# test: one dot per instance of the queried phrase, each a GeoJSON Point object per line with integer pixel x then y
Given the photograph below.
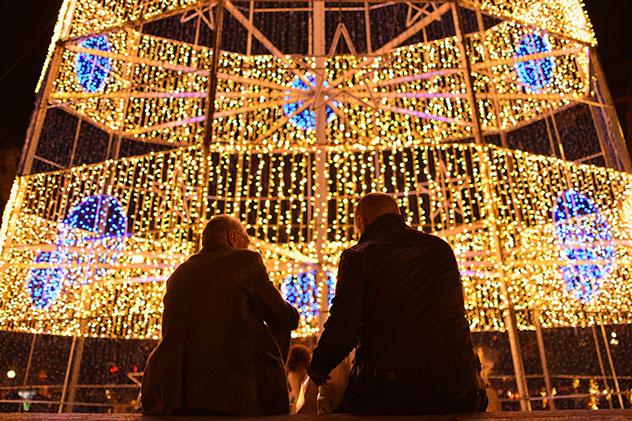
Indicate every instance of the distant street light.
{"type": "Point", "coordinates": [11, 374]}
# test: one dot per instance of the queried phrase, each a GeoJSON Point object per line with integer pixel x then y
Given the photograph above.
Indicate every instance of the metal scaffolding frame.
{"type": "Point", "coordinates": [421, 14]}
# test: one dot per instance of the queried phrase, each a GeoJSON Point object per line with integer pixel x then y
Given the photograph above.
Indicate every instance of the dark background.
{"type": "Point", "coordinates": [28, 27]}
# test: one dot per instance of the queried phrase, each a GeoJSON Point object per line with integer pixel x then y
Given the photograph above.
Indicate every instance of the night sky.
{"type": "Point", "coordinates": [28, 26]}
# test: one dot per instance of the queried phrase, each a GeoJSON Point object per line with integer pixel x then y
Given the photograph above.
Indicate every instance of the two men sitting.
{"type": "Point", "coordinates": [398, 303]}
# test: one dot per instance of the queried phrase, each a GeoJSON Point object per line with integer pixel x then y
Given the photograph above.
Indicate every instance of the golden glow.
{"type": "Point", "coordinates": [439, 187]}
{"type": "Point", "coordinates": [403, 124]}
{"type": "Point", "coordinates": [156, 91]}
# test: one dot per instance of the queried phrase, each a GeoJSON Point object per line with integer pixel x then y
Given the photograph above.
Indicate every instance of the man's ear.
{"type": "Point", "coordinates": [230, 238]}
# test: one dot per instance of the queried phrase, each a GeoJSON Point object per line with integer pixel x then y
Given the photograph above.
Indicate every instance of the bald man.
{"type": "Point", "coordinates": [399, 302]}
{"type": "Point", "coordinates": [219, 352]}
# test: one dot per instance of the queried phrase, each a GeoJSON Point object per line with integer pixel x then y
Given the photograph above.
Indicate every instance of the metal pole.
{"type": "Point", "coordinates": [492, 85]}
{"type": "Point", "coordinates": [37, 119]}
{"type": "Point", "coordinates": [543, 361]}
{"type": "Point", "coordinates": [129, 88]}
{"type": "Point", "coordinates": [594, 113]}
{"type": "Point", "coordinates": [558, 138]}
{"type": "Point", "coordinates": [508, 313]}
{"type": "Point", "coordinates": [210, 110]}
{"type": "Point", "coordinates": [37, 122]}
{"type": "Point", "coordinates": [367, 28]}
{"type": "Point", "coordinates": [615, 379]}
{"type": "Point", "coordinates": [67, 376]}
{"type": "Point", "coordinates": [251, 16]}
{"type": "Point", "coordinates": [550, 136]}
{"type": "Point", "coordinates": [76, 369]}
{"type": "Point", "coordinates": [30, 360]}
{"type": "Point", "coordinates": [617, 138]}
{"type": "Point", "coordinates": [320, 167]}
{"type": "Point", "coordinates": [74, 144]}
{"type": "Point", "coordinates": [600, 360]}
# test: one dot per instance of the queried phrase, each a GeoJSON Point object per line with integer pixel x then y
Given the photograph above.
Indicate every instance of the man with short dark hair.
{"type": "Point", "coordinates": [399, 300]}
{"type": "Point", "coordinates": [218, 353]}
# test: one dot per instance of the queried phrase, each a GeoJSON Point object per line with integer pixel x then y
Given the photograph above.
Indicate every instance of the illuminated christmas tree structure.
{"type": "Point", "coordinates": [488, 120]}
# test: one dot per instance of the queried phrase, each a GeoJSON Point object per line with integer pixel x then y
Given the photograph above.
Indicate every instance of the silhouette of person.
{"type": "Point", "coordinates": [399, 300]}
{"type": "Point", "coordinates": [219, 352]}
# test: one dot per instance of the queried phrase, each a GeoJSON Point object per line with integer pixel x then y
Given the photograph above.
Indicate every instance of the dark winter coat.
{"type": "Point", "coordinates": [399, 300]}
{"type": "Point", "coordinates": [218, 350]}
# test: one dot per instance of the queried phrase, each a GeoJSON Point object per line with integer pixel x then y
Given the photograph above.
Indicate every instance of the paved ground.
{"type": "Point", "coordinates": [500, 416]}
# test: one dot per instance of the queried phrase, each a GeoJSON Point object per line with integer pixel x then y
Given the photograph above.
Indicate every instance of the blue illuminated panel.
{"type": "Point", "coordinates": [93, 70]}
{"type": "Point", "coordinates": [97, 222]}
{"type": "Point", "coordinates": [586, 244]}
{"type": "Point", "coordinates": [302, 292]}
{"type": "Point", "coordinates": [535, 74]}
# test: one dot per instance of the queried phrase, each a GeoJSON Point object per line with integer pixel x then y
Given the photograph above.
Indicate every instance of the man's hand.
{"type": "Point", "coordinates": [317, 378]}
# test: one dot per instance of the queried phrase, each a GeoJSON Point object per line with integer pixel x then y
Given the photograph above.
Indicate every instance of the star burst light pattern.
{"type": "Point", "coordinates": [92, 70]}
{"type": "Point", "coordinates": [536, 73]}
{"type": "Point", "coordinates": [88, 240]}
{"type": "Point", "coordinates": [306, 119]}
{"type": "Point", "coordinates": [586, 243]}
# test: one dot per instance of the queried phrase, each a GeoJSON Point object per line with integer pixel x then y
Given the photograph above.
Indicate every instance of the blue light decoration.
{"type": "Point", "coordinates": [92, 234]}
{"type": "Point", "coordinates": [302, 292]}
{"type": "Point", "coordinates": [586, 244]}
{"type": "Point", "coordinates": [98, 223]}
{"type": "Point", "coordinates": [306, 119]}
{"type": "Point", "coordinates": [535, 74]}
{"type": "Point", "coordinates": [44, 284]}
{"type": "Point", "coordinates": [93, 70]}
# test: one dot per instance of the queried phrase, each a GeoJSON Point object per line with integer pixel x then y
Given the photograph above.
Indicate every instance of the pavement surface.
{"type": "Point", "coordinates": [602, 415]}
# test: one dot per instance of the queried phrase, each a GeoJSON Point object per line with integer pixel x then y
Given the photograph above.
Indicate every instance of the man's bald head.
{"type": "Point", "coordinates": [371, 207]}
{"type": "Point", "coordinates": [225, 230]}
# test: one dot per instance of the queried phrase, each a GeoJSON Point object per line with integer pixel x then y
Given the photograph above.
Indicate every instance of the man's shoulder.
{"type": "Point", "coordinates": [228, 253]}
{"type": "Point", "coordinates": [436, 241]}
{"type": "Point", "coordinates": [228, 257]}
{"type": "Point", "coordinates": [241, 259]}
{"type": "Point", "coordinates": [246, 255]}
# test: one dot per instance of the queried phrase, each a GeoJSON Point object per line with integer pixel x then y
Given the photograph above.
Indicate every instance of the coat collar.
{"type": "Point", "coordinates": [384, 223]}
{"type": "Point", "coordinates": [213, 248]}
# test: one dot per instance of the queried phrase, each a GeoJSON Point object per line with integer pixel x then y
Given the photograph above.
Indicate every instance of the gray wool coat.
{"type": "Point", "coordinates": [218, 350]}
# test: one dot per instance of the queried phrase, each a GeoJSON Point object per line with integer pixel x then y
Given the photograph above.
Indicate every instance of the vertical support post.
{"type": "Point", "coordinates": [320, 165]}
{"type": "Point", "coordinates": [198, 25]}
{"type": "Point", "coordinates": [30, 360]}
{"type": "Point", "coordinates": [62, 29]}
{"type": "Point", "coordinates": [78, 342]}
{"type": "Point", "coordinates": [210, 111]}
{"type": "Point", "coordinates": [367, 28]}
{"type": "Point", "coordinates": [251, 15]}
{"type": "Point", "coordinates": [615, 379]}
{"type": "Point", "coordinates": [37, 121]}
{"type": "Point", "coordinates": [615, 135]}
{"type": "Point", "coordinates": [594, 113]}
{"type": "Point", "coordinates": [492, 85]}
{"type": "Point", "coordinates": [543, 361]}
{"type": "Point", "coordinates": [558, 138]}
{"type": "Point", "coordinates": [76, 369]}
{"type": "Point", "coordinates": [109, 150]}
{"type": "Point", "coordinates": [560, 146]}
{"type": "Point", "coordinates": [74, 143]}
{"type": "Point", "coordinates": [509, 313]}
{"type": "Point", "coordinates": [550, 136]}
{"type": "Point", "coordinates": [67, 376]}
{"type": "Point", "coordinates": [600, 360]}
{"type": "Point", "coordinates": [130, 82]}
{"type": "Point", "coordinates": [116, 149]}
